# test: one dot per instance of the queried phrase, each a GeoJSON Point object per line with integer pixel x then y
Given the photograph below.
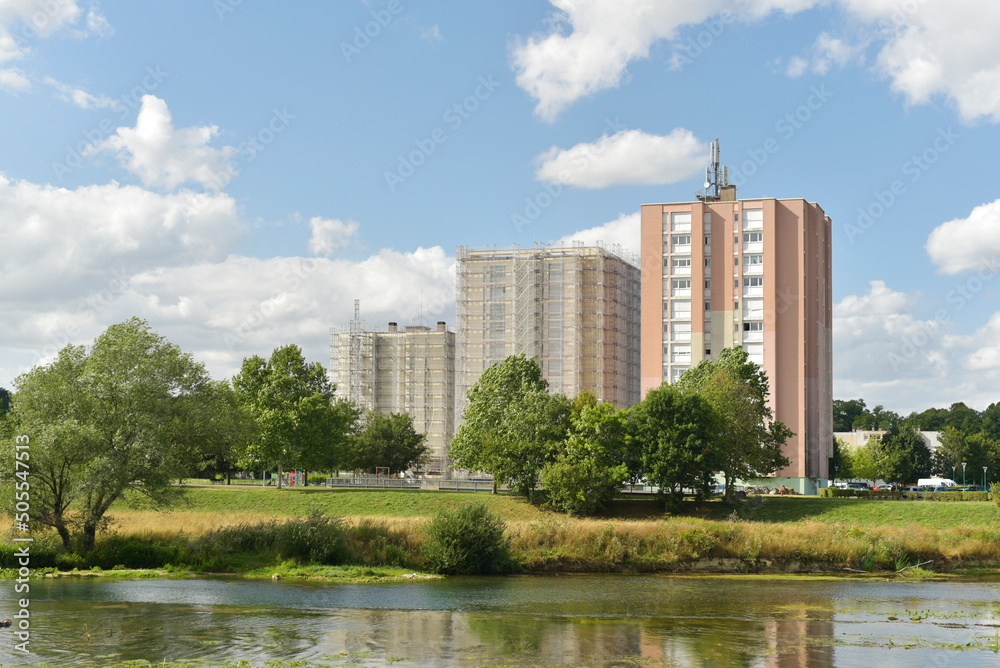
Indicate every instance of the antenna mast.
{"type": "Point", "coordinates": [713, 172]}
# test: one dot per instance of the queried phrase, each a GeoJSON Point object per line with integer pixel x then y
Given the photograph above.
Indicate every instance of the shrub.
{"type": "Point", "coordinates": [825, 492]}
{"type": "Point", "coordinates": [313, 539]}
{"type": "Point", "coordinates": [466, 541]}
{"type": "Point", "coordinates": [995, 493]}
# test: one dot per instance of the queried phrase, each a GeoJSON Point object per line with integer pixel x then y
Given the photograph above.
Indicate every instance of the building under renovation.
{"type": "Point", "coordinates": [575, 310]}
{"type": "Point", "coordinates": [401, 370]}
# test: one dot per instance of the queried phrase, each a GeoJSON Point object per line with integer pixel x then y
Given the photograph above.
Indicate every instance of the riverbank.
{"type": "Point", "coordinates": [240, 531]}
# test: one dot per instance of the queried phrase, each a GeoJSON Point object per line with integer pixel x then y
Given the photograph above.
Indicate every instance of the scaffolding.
{"type": "Point", "coordinates": [401, 370]}
{"type": "Point", "coordinates": [575, 310]}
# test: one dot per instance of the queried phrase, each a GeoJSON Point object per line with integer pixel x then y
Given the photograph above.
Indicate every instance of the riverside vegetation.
{"type": "Point", "coordinates": [371, 535]}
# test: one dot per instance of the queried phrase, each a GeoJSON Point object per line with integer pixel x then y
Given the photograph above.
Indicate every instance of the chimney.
{"type": "Point", "coordinates": [441, 327]}
{"type": "Point", "coordinates": [392, 327]}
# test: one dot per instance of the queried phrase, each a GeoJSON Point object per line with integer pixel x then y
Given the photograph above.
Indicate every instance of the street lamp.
{"type": "Point", "coordinates": [963, 474]}
{"type": "Point", "coordinates": [953, 474]}
{"type": "Point", "coordinates": [836, 474]}
{"type": "Point", "coordinates": [984, 478]}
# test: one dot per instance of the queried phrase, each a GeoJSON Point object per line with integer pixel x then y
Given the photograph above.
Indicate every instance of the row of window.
{"type": "Point", "coordinates": [680, 221]}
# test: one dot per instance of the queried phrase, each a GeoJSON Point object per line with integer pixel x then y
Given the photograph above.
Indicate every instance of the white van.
{"type": "Point", "coordinates": [936, 482]}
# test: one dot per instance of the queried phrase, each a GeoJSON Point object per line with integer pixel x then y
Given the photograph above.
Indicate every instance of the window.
{"type": "Point", "coordinates": [555, 292]}
{"type": "Point", "coordinates": [753, 327]}
{"type": "Point", "coordinates": [666, 305]}
{"type": "Point", "coordinates": [753, 237]}
{"type": "Point", "coordinates": [680, 287]}
{"type": "Point", "coordinates": [555, 349]}
{"type": "Point", "coordinates": [498, 308]}
{"type": "Point", "coordinates": [708, 351]}
{"type": "Point", "coordinates": [753, 219]}
{"type": "Point", "coordinates": [497, 293]}
{"type": "Point", "coordinates": [496, 350]}
{"type": "Point", "coordinates": [555, 366]}
{"type": "Point", "coordinates": [753, 282]}
{"type": "Point", "coordinates": [736, 261]}
{"type": "Point", "coordinates": [752, 260]}
{"type": "Point", "coordinates": [555, 307]}
{"type": "Point", "coordinates": [680, 266]}
{"type": "Point", "coordinates": [708, 306]}
{"type": "Point", "coordinates": [680, 221]}
{"type": "Point", "coordinates": [708, 240]}
{"type": "Point", "coordinates": [497, 334]}
{"type": "Point", "coordinates": [736, 217]}
{"type": "Point", "coordinates": [681, 239]}
{"type": "Point", "coordinates": [736, 282]}
{"type": "Point", "coordinates": [708, 283]}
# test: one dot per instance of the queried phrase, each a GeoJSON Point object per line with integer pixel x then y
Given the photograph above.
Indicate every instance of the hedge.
{"type": "Point", "coordinates": [836, 492]}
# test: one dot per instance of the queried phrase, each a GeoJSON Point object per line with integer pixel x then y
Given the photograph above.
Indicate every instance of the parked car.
{"type": "Point", "coordinates": [913, 492]}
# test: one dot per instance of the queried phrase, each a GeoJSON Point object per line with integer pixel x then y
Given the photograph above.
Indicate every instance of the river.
{"type": "Point", "coordinates": [577, 620]}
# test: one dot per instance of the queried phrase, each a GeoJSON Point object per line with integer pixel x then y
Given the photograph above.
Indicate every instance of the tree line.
{"type": "Point", "coordinates": [133, 413]}
{"type": "Point", "coordinates": [901, 455]}
{"type": "Point", "coordinates": [580, 451]}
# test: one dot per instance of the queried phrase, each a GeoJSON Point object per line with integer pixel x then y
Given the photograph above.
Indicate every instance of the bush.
{"type": "Point", "coordinates": [314, 539]}
{"type": "Point", "coordinates": [467, 541]}
{"type": "Point", "coordinates": [581, 487]}
{"type": "Point", "coordinates": [995, 493]}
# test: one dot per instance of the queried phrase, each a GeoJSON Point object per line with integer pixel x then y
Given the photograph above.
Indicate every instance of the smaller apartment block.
{"type": "Point", "coordinates": [401, 370]}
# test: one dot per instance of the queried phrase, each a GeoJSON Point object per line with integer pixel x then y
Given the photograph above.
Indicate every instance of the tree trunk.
{"type": "Point", "coordinates": [279, 474]}
{"type": "Point", "coordinates": [87, 538]}
{"type": "Point", "coordinates": [228, 478]}
{"type": "Point", "coordinates": [305, 478]}
{"type": "Point", "coordinates": [64, 535]}
{"type": "Point", "coordinates": [494, 490]}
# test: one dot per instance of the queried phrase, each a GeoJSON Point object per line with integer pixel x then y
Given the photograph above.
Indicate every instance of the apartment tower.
{"type": "Point", "coordinates": [401, 370]}
{"type": "Point", "coordinates": [756, 273]}
{"type": "Point", "coordinates": [575, 310]}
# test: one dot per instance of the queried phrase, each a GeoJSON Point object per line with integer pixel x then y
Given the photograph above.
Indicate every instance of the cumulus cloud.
{"type": "Point", "coordinates": [927, 47]}
{"type": "Point", "coordinates": [624, 231]}
{"type": "Point", "coordinates": [164, 156]}
{"type": "Point", "coordinates": [60, 243]}
{"type": "Point", "coordinates": [883, 351]}
{"type": "Point", "coordinates": [968, 244]}
{"type": "Point", "coordinates": [628, 157]}
{"type": "Point", "coordinates": [797, 66]}
{"type": "Point", "coordinates": [329, 236]}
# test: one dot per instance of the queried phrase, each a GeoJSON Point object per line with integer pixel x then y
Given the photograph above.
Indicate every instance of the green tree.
{"type": "Point", "coordinates": [976, 450]}
{"type": "Point", "coordinates": [846, 412]}
{"type": "Point", "coordinates": [212, 430]}
{"type": "Point", "coordinates": [4, 401]}
{"type": "Point", "coordinates": [591, 466]}
{"type": "Point", "coordinates": [675, 434]}
{"type": "Point", "coordinates": [512, 426]}
{"type": "Point", "coordinates": [102, 422]}
{"type": "Point", "coordinates": [386, 440]}
{"type": "Point", "coordinates": [901, 456]}
{"type": "Point", "coordinates": [297, 418]}
{"type": "Point", "coordinates": [840, 463]}
{"type": "Point", "coordinates": [749, 439]}
{"type": "Point", "coordinates": [864, 460]}
{"type": "Point", "coordinates": [991, 421]}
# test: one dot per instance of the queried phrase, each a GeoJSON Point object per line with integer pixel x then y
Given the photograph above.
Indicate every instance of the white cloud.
{"type": "Point", "coordinates": [13, 80]}
{"type": "Point", "coordinates": [164, 156]}
{"type": "Point", "coordinates": [80, 97]}
{"type": "Point", "coordinates": [59, 244]}
{"type": "Point", "coordinates": [628, 157]}
{"type": "Point", "coordinates": [624, 231]}
{"type": "Point", "coordinates": [886, 354]}
{"type": "Point", "coordinates": [968, 244]}
{"type": "Point", "coordinates": [797, 66]}
{"type": "Point", "coordinates": [929, 47]}
{"type": "Point", "coordinates": [98, 25]}
{"type": "Point", "coordinates": [329, 236]}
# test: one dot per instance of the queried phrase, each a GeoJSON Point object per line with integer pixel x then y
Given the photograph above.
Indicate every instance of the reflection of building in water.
{"type": "Point", "coordinates": [800, 643]}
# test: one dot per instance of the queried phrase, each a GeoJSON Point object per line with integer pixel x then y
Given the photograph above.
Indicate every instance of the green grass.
{"type": "Point", "coordinates": [345, 503]}
{"type": "Point", "coordinates": [930, 514]}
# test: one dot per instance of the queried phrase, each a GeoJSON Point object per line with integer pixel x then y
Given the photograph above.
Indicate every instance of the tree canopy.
{"type": "Point", "coordinates": [297, 418]}
{"type": "Point", "coordinates": [512, 424]}
{"type": "Point", "coordinates": [748, 438]}
{"type": "Point", "coordinates": [386, 440]}
{"type": "Point", "coordinates": [103, 421]}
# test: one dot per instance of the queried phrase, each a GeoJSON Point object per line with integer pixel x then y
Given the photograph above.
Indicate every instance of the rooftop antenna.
{"type": "Point", "coordinates": [715, 176]}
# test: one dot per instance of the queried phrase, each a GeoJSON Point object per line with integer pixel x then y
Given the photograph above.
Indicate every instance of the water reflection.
{"type": "Point", "coordinates": [564, 620]}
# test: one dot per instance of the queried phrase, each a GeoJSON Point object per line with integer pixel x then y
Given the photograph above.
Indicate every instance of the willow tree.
{"type": "Point", "coordinates": [101, 422]}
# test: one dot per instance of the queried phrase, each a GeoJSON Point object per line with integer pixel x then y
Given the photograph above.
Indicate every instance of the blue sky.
{"type": "Point", "coordinates": [237, 173]}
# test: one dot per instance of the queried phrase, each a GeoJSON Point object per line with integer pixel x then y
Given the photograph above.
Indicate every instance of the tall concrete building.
{"type": "Point", "coordinates": [756, 273]}
{"type": "Point", "coordinates": [401, 370]}
{"type": "Point", "coordinates": [575, 310]}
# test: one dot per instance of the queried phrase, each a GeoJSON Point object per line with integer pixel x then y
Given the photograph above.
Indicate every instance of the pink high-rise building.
{"type": "Point", "coordinates": [755, 273]}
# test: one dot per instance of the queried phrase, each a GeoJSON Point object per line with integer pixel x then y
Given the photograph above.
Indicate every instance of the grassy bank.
{"type": "Point", "coordinates": [247, 530]}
